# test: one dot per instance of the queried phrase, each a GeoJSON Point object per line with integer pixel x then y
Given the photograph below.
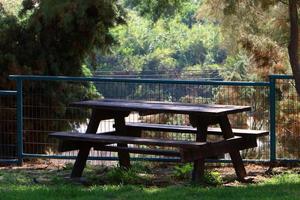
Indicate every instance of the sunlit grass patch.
{"type": "Point", "coordinates": [18, 184]}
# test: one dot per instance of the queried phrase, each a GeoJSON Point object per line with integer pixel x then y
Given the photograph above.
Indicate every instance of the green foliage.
{"type": "Point", "coordinates": [18, 178]}
{"type": "Point", "coordinates": [163, 49]}
{"type": "Point", "coordinates": [212, 178]}
{"type": "Point", "coordinates": [53, 37]}
{"type": "Point", "coordinates": [183, 171]}
{"type": "Point", "coordinates": [122, 176]}
{"type": "Point", "coordinates": [236, 68]}
{"type": "Point", "coordinates": [257, 29]}
{"type": "Point", "coordinates": [165, 46]}
{"type": "Point", "coordinates": [11, 6]}
{"type": "Point", "coordinates": [287, 178]}
{"type": "Point", "coordinates": [188, 13]}
{"type": "Point", "coordinates": [154, 9]}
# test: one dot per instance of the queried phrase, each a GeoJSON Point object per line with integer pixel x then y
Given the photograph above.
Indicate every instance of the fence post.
{"type": "Point", "coordinates": [20, 120]}
{"type": "Point", "coordinates": [272, 101]}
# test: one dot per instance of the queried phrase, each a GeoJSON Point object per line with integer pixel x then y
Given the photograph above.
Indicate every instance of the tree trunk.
{"type": "Point", "coordinates": [293, 45]}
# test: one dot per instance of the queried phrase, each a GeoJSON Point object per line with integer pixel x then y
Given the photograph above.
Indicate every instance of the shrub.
{"type": "Point", "coordinates": [133, 175]}
{"type": "Point", "coordinates": [212, 178]}
{"type": "Point", "coordinates": [183, 171]}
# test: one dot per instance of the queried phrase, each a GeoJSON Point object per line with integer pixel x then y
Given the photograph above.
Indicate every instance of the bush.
{"type": "Point", "coordinates": [212, 178]}
{"type": "Point", "coordinates": [133, 175]}
{"type": "Point", "coordinates": [183, 171]}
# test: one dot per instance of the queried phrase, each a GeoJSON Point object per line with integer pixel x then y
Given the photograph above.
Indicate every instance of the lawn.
{"type": "Point", "coordinates": [53, 184]}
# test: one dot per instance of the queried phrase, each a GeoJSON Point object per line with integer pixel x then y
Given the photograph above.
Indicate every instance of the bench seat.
{"type": "Point", "coordinates": [104, 138]}
{"type": "Point", "coordinates": [188, 150]}
{"type": "Point", "coordinates": [137, 126]}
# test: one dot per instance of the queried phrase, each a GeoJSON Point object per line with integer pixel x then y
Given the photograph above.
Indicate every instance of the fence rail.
{"type": "Point", "coordinates": [41, 111]}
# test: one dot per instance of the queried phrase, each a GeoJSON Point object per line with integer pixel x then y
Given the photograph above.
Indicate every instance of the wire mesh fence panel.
{"type": "Point", "coordinates": [8, 128]}
{"type": "Point", "coordinates": [47, 109]}
{"type": "Point", "coordinates": [287, 120]}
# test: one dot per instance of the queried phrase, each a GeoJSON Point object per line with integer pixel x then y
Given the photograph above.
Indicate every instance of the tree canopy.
{"type": "Point", "coordinates": [168, 46]}
{"type": "Point", "coordinates": [53, 37]}
{"type": "Point", "coordinates": [264, 28]}
{"type": "Point", "coordinates": [267, 30]}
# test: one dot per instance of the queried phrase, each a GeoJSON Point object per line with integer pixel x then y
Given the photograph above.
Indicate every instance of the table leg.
{"type": "Point", "coordinates": [199, 165]}
{"type": "Point", "coordinates": [235, 155]}
{"type": "Point", "coordinates": [124, 157]}
{"type": "Point", "coordinates": [85, 150]}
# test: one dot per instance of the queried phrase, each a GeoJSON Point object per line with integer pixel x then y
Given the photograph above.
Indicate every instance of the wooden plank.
{"type": "Point", "coordinates": [69, 145]}
{"type": "Point", "coordinates": [240, 132]}
{"type": "Point", "coordinates": [100, 115]}
{"type": "Point", "coordinates": [101, 138]}
{"type": "Point", "coordinates": [218, 148]}
{"type": "Point", "coordinates": [161, 107]}
{"type": "Point", "coordinates": [148, 151]}
{"type": "Point", "coordinates": [65, 145]}
{"type": "Point", "coordinates": [77, 145]}
{"type": "Point", "coordinates": [187, 155]}
{"type": "Point", "coordinates": [190, 129]}
{"type": "Point", "coordinates": [160, 127]}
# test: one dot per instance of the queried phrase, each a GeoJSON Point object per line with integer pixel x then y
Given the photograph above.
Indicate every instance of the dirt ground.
{"type": "Point", "coordinates": [256, 172]}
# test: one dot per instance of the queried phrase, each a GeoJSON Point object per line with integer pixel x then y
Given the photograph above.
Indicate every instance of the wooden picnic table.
{"type": "Point", "coordinates": [201, 116]}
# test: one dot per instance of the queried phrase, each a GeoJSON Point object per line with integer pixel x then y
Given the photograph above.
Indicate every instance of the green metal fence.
{"type": "Point", "coordinates": [286, 119]}
{"type": "Point", "coordinates": [42, 107]}
{"type": "Point", "coordinates": [8, 124]}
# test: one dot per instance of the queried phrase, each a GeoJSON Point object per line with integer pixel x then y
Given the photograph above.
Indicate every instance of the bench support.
{"type": "Point", "coordinates": [96, 117]}
{"type": "Point", "coordinates": [124, 157]}
{"type": "Point", "coordinates": [85, 150]}
{"type": "Point", "coordinates": [217, 148]}
{"type": "Point", "coordinates": [235, 155]}
{"type": "Point", "coordinates": [199, 165]}
{"type": "Point", "coordinates": [202, 123]}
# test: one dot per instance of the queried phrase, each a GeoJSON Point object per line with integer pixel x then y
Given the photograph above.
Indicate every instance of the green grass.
{"type": "Point", "coordinates": [17, 184]}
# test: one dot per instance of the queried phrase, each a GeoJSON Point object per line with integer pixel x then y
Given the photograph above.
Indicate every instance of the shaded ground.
{"type": "Point", "coordinates": [50, 181]}
{"type": "Point", "coordinates": [147, 174]}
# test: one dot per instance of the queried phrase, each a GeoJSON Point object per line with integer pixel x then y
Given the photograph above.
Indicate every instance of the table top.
{"type": "Point", "coordinates": [161, 107]}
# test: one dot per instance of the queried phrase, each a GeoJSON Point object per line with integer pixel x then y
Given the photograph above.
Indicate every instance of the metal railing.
{"type": "Point", "coordinates": [31, 117]}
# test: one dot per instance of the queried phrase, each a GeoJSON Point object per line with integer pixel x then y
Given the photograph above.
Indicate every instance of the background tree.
{"type": "Point", "coordinates": [165, 47]}
{"type": "Point", "coordinates": [53, 37]}
{"type": "Point", "coordinates": [272, 23]}
{"type": "Point", "coordinates": [155, 9]}
{"type": "Point", "coordinates": [294, 41]}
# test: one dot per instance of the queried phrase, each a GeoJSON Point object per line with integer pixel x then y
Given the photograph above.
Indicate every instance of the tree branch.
{"type": "Point", "coordinates": [293, 44]}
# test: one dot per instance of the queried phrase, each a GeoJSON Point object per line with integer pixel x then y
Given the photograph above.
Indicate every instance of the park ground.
{"type": "Point", "coordinates": [50, 180]}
